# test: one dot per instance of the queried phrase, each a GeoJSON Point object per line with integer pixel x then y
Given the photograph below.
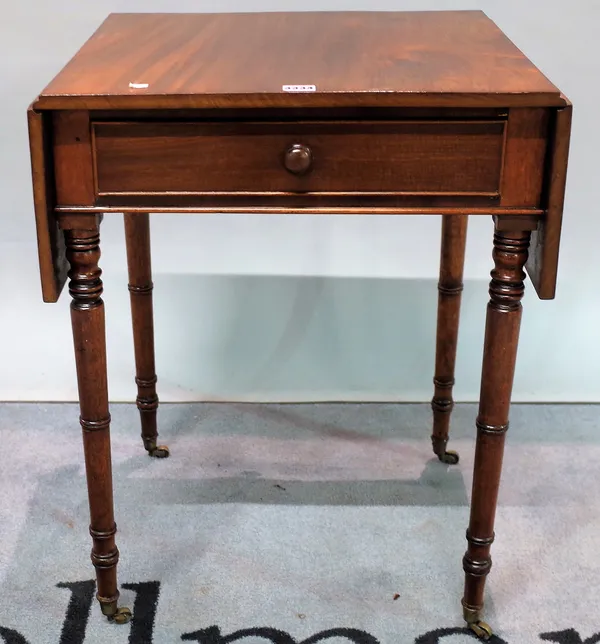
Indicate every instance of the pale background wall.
{"type": "Point", "coordinates": [299, 308]}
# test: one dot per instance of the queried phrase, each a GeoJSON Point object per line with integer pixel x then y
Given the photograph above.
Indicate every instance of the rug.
{"type": "Point", "coordinates": [298, 524]}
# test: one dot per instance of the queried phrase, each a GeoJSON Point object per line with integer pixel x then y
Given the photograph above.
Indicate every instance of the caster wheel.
{"type": "Point", "coordinates": [122, 616]}
{"type": "Point", "coordinates": [482, 630]}
{"type": "Point", "coordinates": [450, 457]}
{"type": "Point", "coordinates": [161, 451]}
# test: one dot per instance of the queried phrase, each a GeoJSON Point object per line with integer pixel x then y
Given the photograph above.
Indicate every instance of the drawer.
{"type": "Point", "coordinates": [422, 158]}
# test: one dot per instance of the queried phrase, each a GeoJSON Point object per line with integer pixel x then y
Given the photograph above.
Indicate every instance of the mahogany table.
{"type": "Point", "coordinates": [397, 113]}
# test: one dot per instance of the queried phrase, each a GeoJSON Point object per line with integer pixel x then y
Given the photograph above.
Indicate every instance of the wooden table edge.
{"type": "Point", "coordinates": [296, 100]}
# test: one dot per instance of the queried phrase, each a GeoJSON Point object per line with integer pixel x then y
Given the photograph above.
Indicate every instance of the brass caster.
{"type": "Point", "coordinates": [449, 457]}
{"type": "Point", "coordinates": [122, 616]}
{"type": "Point", "coordinates": [160, 451]}
{"type": "Point", "coordinates": [481, 629]}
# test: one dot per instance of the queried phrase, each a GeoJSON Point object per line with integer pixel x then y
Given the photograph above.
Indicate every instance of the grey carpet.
{"type": "Point", "coordinates": [287, 521]}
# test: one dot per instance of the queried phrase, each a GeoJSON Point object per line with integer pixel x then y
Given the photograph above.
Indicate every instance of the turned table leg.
{"type": "Point", "coordinates": [87, 318]}
{"type": "Point", "coordinates": [450, 286]}
{"type": "Point", "coordinates": [499, 357]}
{"type": "Point", "coordinates": [137, 235]}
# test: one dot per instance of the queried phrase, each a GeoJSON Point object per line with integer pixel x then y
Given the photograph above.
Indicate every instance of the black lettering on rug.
{"type": "Point", "coordinates": [433, 637]}
{"type": "Point", "coordinates": [212, 635]}
{"type": "Point", "coordinates": [570, 636]}
{"type": "Point", "coordinates": [78, 610]}
{"type": "Point", "coordinates": [145, 607]}
{"type": "Point", "coordinates": [144, 611]}
{"type": "Point", "coordinates": [12, 637]}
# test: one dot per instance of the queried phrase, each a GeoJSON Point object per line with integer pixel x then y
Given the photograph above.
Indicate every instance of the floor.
{"type": "Point", "coordinates": [299, 523]}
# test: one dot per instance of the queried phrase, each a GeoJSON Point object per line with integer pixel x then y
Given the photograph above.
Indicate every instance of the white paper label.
{"type": "Point", "coordinates": [299, 88]}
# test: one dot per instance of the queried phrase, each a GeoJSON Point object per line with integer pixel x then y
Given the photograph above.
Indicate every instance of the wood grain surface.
{"type": "Point", "coordinates": [542, 265]}
{"type": "Point", "coordinates": [244, 60]}
{"type": "Point", "coordinates": [51, 244]}
{"type": "Point", "coordinates": [428, 157]}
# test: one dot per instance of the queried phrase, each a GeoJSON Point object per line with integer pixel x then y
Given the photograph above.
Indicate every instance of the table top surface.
{"type": "Point", "coordinates": [246, 59]}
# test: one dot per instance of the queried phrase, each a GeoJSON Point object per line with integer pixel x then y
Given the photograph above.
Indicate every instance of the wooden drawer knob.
{"type": "Point", "coordinates": [298, 159]}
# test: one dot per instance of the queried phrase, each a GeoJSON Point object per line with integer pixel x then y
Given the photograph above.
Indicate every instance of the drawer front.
{"type": "Point", "coordinates": [421, 158]}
